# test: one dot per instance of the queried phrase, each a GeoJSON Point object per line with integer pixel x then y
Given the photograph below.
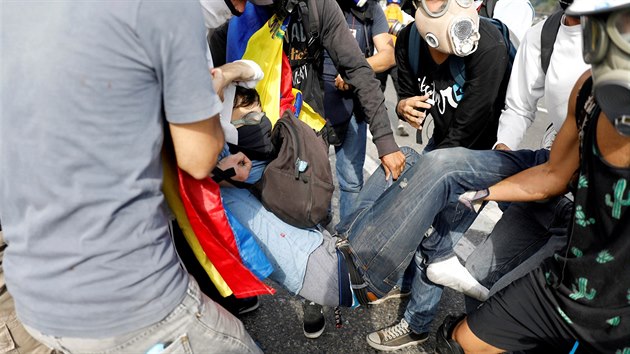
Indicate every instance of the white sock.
{"type": "Point", "coordinates": [454, 275]}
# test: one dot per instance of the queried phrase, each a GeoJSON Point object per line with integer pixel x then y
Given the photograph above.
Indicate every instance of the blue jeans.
{"type": "Point", "coordinates": [526, 234]}
{"type": "Point", "coordinates": [386, 235]}
{"type": "Point", "coordinates": [195, 325]}
{"type": "Point", "coordinates": [350, 157]}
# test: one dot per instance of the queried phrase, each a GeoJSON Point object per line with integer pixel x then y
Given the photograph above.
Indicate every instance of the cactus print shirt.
{"type": "Point", "coordinates": [590, 280]}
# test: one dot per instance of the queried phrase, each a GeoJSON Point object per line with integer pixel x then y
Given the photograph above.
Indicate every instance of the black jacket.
{"type": "Point", "coordinates": [335, 38]}
{"type": "Point", "coordinates": [470, 121]}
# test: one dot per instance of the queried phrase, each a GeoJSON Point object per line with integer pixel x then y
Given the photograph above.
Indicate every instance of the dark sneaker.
{"type": "Point", "coordinates": [314, 321]}
{"type": "Point", "coordinates": [395, 337]}
{"type": "Point", "coordinates": [247, 305]}
{"type": "Point", "coordinates": [395, 293]}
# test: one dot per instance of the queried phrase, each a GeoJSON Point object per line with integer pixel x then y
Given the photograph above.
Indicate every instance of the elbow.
{"type": "Point", "coordinates": [200, 166]}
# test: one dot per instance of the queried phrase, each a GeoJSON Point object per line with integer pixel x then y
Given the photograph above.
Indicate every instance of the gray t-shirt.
{"type": "Point", "coordinates": [85, 89]}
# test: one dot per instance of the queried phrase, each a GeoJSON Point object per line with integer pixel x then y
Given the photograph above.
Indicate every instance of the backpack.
{"type": "Point", "coordinates": [297, 185]}
{"type": "Point", "coordinates": [456, 64]}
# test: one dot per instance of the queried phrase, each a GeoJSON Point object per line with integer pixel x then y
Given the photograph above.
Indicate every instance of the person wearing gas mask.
{"type": "Point", "coordinates": [89, 258]}
{"type": "Point", "coordinates": [578, 300]}
{"type": "Point", "coordinates": [527, 233]}
{"type": "Point", "coordinates": [464, 117]}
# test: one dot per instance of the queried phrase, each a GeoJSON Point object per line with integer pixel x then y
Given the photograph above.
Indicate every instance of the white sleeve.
{"type": "Point", "coordinates": [526, 87]}
{"type": "Point", "coordinates": [516, 14]}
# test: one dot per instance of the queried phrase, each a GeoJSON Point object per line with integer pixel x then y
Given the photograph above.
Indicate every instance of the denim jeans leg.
{"type": "Point", "coordinates": [350, 157]}
{"type": "Point", "coordinates": [425, 297]}
{"type": "Point", "coordinates": [374, 187]}
{"type": "Point", "coordinates": [385, 236]}
{"type": "Point", "coordinates": [194, 326]}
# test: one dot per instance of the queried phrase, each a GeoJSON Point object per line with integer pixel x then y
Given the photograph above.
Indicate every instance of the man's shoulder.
{"type": "Point", "coordinates": [490, 35]}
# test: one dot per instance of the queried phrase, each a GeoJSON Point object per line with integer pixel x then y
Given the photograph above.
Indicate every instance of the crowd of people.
{"type": "Point", "coordinates": [97, 96]}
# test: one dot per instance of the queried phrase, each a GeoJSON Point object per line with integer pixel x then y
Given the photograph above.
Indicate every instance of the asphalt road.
{"type": "Point", "coordinates": [277, 324]}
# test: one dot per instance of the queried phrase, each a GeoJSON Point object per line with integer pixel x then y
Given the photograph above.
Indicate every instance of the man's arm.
{"type": "Point", "coordinates": [355, 70]}
{"type": "Point", "coordinates": [552, 177]}
{"type": "Point", "coordinates": [526, 87]}
{"type": "Point", "coordinates": [197, 145]}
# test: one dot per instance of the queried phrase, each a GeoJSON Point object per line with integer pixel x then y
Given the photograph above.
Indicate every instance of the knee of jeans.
{"type": "Point", "coordinates": [445, 157]}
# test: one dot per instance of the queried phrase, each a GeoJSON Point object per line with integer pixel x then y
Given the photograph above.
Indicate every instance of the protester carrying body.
{"type": "Point", "coordinates": [527, 233]}
{"type": "Point", "coordinates": [464, 116]}
{"type": "Point", "coordinates": [575, 301]}
{"type": "Point", "coordinates": [99, 138]}
{"type": "Point", "coordinates": [368, 25]}
{"type": "Point", "coordinates": [531, 79]}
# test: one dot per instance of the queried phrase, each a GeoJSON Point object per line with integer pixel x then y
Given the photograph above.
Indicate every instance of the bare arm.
{"type": "Point", "coordinates": [384, 59]}
{"type": "Point", "coordinates": [552, 177]}
{"type": "Point", "coordinates": [197, 145]}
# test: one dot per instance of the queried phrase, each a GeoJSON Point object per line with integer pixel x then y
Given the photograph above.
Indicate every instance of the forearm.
{"type": "Point", "coordinates": [537, 183]}
{"type": "Point", "coordinates": [381, 61]}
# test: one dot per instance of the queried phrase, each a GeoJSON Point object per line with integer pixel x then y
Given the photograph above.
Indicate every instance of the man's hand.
{"type": "Point", "coordinates": [227, 73]}
{"type": "Point", "coordinates": [473, 200]}
{"type": "Point", "coordinates": [341, 85]}
{"type": "Point", "coordinates": [502, 147]}
{"type": "Point", "coordinates": [413, 109]}
{"type": "Point", "coordinates": [240, 163]}
{"type": "Point", "coordinates": [393, 164]}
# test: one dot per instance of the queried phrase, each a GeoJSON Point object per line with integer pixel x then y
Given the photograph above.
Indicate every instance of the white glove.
{"type": "Point", "coordinates": [474, 199]}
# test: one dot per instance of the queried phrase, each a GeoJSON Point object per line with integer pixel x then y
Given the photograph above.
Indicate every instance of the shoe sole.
{"type": "Point", "coordinates": [249, 309]}
{"type": "Point", "coordinates": [386, 348]}
{"type": "Point", "coordinates": [391, 297]}
{"type": "Point", "coordinates": [314, 335]}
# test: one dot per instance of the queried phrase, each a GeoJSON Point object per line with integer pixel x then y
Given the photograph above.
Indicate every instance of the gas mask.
{"type": "Point", "coordinates": [450, 26]}
{"type": "Point", "coordinates": [606, 46]}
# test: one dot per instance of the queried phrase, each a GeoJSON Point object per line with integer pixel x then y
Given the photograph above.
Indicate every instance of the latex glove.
{"type": "Point", "coordinates": [474, 199]}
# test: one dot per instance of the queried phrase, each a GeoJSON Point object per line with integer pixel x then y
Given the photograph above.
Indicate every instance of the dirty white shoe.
{"type": "Point", "coordinates": [454, 275]}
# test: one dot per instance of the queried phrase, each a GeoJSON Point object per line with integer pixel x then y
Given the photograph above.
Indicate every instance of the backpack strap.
{"type": "Point", "coordinates": [414, 49]}
{"type": "Point", "coordinates": [586, 109]}
{"type": "Point", "coordinates": [457, 68]}
{"type": "Point", "coordinates": [311, 23]}
{"type": "Point", "coordinates": [487, 8]}
{"type": "Point", "coordinates": [548, 38]}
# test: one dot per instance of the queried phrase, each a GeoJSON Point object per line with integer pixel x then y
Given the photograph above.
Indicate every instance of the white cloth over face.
{"type": "Point", "coordinates": [229, 130]}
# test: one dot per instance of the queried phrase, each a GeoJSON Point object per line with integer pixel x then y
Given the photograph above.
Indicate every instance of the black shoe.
{"type": "Point", "coordinates": [247, 305]}
{"type": "Point", "coordinates": [396, 337]}
{"type": "Point", "coordinates": [314, 321]}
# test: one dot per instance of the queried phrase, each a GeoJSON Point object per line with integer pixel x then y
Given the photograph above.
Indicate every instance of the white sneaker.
{"type": "Point", "coordinates": [395, 337]}
{"type": "Point", "coordinates": [452, 274]}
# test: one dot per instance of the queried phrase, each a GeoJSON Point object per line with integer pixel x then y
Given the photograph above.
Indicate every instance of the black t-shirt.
{"type": "Point", "coordinates": [464, 116]}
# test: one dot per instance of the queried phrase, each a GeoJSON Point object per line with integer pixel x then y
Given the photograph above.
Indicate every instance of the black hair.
{"type": "Point", "coordinates": [245, 97]}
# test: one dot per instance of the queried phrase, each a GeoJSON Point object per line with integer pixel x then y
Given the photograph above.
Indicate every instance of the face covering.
{"type": "Point", "coordinates": [606, 46]}
{"type": "Point", "coordinates": [452, 27]}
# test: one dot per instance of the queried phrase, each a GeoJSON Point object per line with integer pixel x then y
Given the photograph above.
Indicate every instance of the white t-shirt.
{"type": "Point", "coordinates": [528, 82]}
{"type": "Point", "coordinates": [516, 14]}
